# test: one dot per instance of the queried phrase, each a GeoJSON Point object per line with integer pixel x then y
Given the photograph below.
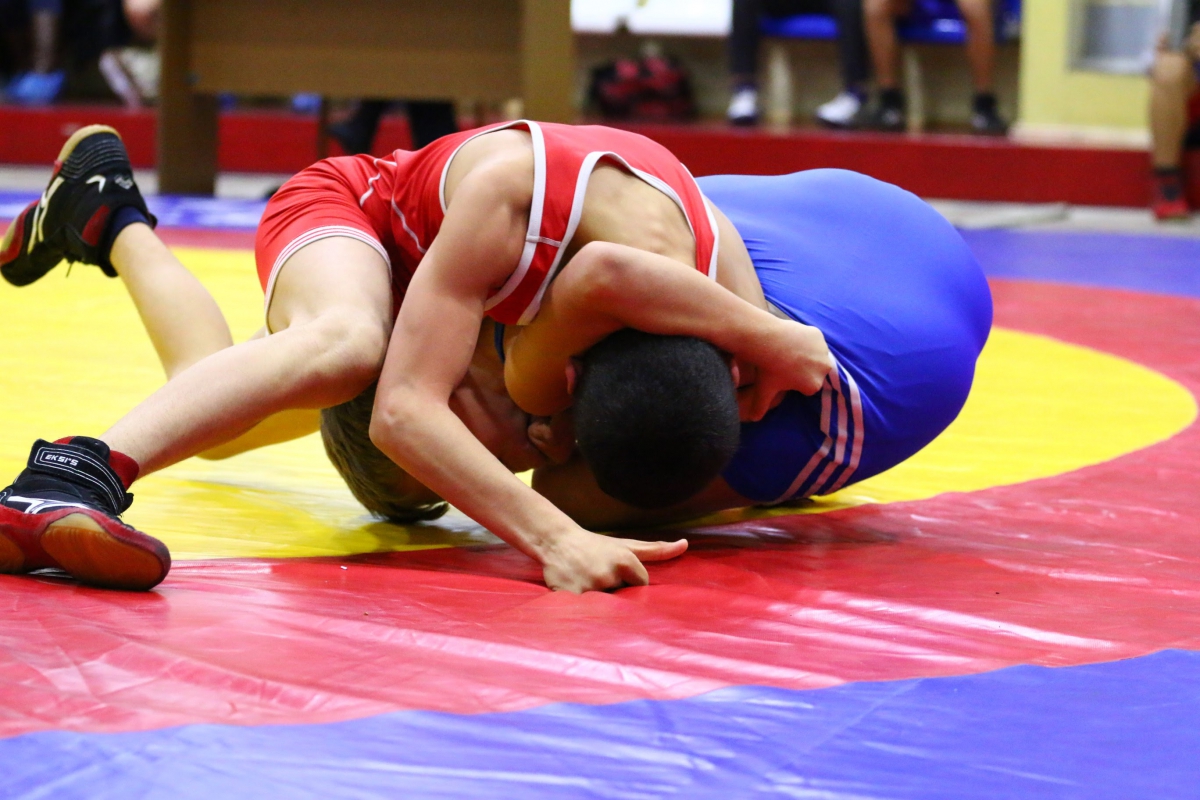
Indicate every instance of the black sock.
{"type": "Point", "coordinates": [984, 103]}
{"type": "Point", "coordinates": [122, 218]}
{"type": "Point", "coordinates": [891, 98]}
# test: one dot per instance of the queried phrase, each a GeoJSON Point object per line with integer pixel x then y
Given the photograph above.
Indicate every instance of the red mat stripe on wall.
{"type": "Point", "coordinates": [936, 165]}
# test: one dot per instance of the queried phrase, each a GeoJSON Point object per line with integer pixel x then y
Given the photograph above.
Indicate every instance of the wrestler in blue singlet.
{"type": "Point", "coordinates": [904, 308]}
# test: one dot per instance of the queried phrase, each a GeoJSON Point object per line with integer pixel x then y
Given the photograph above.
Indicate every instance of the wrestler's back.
{"type": "Point", "coordinates": [618, 207]}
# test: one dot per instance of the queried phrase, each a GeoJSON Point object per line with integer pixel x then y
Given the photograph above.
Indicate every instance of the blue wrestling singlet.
{"type": "Point", "coordinates": [904, 308]}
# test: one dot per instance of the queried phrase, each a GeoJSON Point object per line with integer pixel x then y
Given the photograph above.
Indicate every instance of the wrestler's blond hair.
{"type": "Point", "coordinates": [375, 480]}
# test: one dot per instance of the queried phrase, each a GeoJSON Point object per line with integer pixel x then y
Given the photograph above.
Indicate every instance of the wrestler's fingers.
{"type": "Point", "coordinates": [631, 572]}
{"type": "Point", "coordinates": [764, 399]}
{"type": "Point", "coordinates": [656, 551]}
{"type": "Point", "coordinates": [747, 399]}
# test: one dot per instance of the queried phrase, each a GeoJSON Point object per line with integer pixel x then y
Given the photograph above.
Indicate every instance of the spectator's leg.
{"type": "Point", "coordinates": [880, 22]}
{"type": "Point", "coordinates": [844, 110]}
{"type": "Point", "coordinates": [42, 83]}
{"type": "Point", "coordinates": [879, 17]}
{"type": "Point", "coordinates": [45, 16]}
{"type": "Point", "coordinates": [1172, 80]}
{"type": "Point", "coordinates": [430, 120]}
{"type": "Point", "coordinates": [142, 18]}
{"type": "Point", "coordinates": [852, 44]}
{"type": "Point", "coordinates": [981, 54]}
{"type": "Point", "coordinates": [356, 134]}
{"type": "Point", "coordinates": [743, 61]}
{"type": "Point", "coordinates": [743, 42]}
{"type": "Point", "coordinates": [981, 42]}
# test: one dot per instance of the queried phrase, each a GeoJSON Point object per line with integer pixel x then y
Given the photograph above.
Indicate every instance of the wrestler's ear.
{"type": "Point", "coordinates": [574, 371]}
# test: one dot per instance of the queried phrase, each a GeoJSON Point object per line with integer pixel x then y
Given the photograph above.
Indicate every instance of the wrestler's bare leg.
{"type": "Point", "coordinates": [185, 325]}
{"type": "Point", "coordinates": [182, 319]}
{"type": "Point", "coordinates": [330, 316]}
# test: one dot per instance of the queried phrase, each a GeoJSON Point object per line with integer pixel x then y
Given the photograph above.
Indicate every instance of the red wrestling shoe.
{"type": "Point", "coordinates": [1169, 202]}
{"type": "Point", "coordinates": [64, 511]}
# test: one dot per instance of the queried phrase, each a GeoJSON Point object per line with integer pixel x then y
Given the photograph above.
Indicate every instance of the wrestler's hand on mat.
{"type": "Point", "coordinates": [794, 357]}
{"type": "Point", "coordinates": [581, 561]}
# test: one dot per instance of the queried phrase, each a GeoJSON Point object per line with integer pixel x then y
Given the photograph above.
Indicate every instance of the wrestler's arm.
{"type": "Point", "coordinates": [480, 240]}
{"type": "Point", "coordinates": [606, 287]}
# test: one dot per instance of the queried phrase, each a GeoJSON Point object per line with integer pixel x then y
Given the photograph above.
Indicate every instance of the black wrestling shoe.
{"type": "Point", "coordinates": [64, 512]}
{"type": "Point", "coordinates": [92, 179]}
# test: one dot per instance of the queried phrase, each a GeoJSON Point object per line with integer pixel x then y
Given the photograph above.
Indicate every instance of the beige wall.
{"type": "Point", "coordinates": [1058, 102]}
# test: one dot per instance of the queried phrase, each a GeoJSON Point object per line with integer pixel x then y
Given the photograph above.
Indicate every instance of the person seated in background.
{"type": "Point", "coordinates": [891, 112]}
{"type": "Point", "coordinates": [428, 121]}
{"type": "Point", "coordinates": [840, 112]}
{"type": "Point", "coordinates": [42, 80]}
{"type": "Point", "coordinates": [1172, 81]}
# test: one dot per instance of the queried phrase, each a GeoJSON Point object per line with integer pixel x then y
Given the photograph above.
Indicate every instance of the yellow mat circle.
{"type": "Point", "coordinates": [76, 358]}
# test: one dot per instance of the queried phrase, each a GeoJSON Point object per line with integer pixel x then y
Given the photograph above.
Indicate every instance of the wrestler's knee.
{"type": "Point", "coordinates": [348, 353]}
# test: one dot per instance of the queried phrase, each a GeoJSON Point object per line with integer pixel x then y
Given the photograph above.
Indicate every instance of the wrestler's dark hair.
{"type": "Point", "coordinates": [656, 417]}
{"type": "Point", "coordinates": [387, 491]}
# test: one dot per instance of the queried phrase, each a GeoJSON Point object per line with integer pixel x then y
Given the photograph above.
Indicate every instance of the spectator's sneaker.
{"type": "Point", "coordinates": [743, 108]}
{"type": "Point", "coordinates": [985, 119]}
{"type": "Point", "coordinates": [890, 119]}
{"type": "Point", "coordinates": [1168, 201]}
{"type": "Point", "coordinates": [988, 123]}
{"type": "Point", "coordinates": [36, 88]}
{"type": "Point", "coordinates": [842, 111]}
{"type": "Point", "coordinates": [92, 179]}
{"type": "Point", "coordinates": [63, 512]}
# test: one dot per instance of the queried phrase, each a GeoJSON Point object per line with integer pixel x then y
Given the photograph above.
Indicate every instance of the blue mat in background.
{"type": "Point", "coordinates": [1144, 263]}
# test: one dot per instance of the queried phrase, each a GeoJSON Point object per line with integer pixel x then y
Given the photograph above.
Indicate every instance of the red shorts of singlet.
{"type": "Point", "coordinates": [320, 202]}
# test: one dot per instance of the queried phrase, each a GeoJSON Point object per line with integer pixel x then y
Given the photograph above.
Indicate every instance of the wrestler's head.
{"type": "Point", "coordinates": [388, 492]}
{"type": "Point", "coordinates": [656, 417]}
{"type": "Point", "coordinates": [375, 481]}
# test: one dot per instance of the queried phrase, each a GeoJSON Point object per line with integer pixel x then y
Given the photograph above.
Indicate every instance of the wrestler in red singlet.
{"type": "Point", "coordinates": [396, 205]}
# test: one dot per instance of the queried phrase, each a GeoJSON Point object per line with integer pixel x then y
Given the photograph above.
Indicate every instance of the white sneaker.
{"type": "Point", "coordinates": [841, 112]}
{"type": "Point", "coordinates": [743, 108]}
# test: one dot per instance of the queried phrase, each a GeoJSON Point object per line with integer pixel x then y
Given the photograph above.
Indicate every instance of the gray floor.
{"type": "Point", "coordinates": [964, 214]}
{"type": "Point", "coordinates": [1062, 217]}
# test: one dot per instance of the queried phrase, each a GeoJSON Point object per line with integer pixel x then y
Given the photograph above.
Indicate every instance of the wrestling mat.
{"type": "Point", "coordinates": [1014, 612]}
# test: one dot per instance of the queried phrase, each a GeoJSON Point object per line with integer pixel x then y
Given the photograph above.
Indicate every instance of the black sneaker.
{"type": "Point", "coordinates": [888, 118]}
{"type": "Point", "coordinates": [988, 123]}
{"type": "Point", "coordinates": [92, 179]}
{"type": "Point", "coordinates": [985, 119]}
{"type": "Point", "coordinates": [63, 512]}
{"type": "Point", "coordinates": [890, 113]}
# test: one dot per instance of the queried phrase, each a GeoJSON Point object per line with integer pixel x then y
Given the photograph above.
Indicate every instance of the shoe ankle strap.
{"type": "Point", "coordinates": [82, 468]}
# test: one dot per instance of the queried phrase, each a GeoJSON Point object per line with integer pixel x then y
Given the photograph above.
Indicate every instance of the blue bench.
{"type": "Point", "coordinates": [930, 22]}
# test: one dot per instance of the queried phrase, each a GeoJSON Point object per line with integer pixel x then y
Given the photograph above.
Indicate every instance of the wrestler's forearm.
{"type": "Point", "coordinates": [425, 437]}
{"type": "Point", "coordinates": [655, 294]}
